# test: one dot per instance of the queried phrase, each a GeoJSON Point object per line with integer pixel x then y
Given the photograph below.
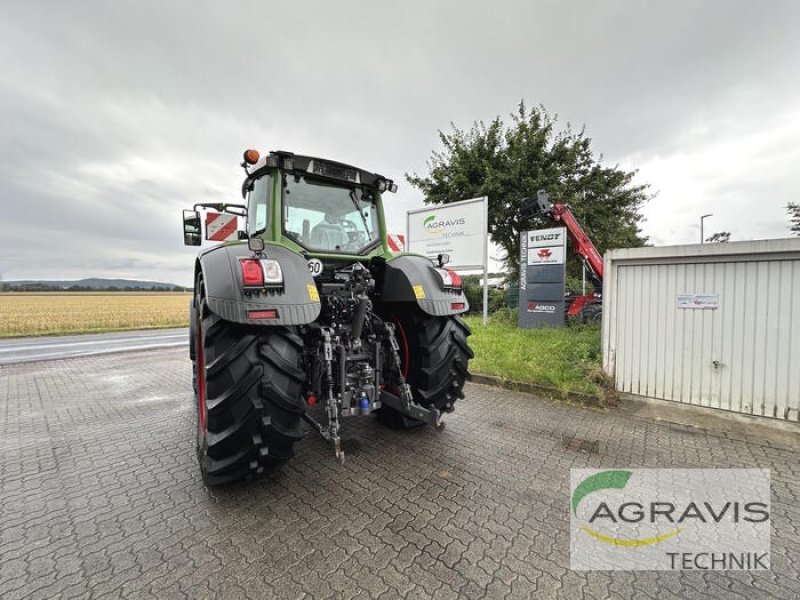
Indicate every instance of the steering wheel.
{"type": "Point", "coordinates": [349, 227]}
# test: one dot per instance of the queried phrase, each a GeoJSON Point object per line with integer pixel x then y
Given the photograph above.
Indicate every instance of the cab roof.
{"type": "Point", "coordinates": [320, 168]}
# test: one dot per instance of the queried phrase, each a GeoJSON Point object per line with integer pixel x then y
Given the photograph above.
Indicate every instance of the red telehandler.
{"type": "Point", "coordinates": [585, 307]}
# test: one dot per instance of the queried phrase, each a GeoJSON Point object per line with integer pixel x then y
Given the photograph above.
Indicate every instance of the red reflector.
{"type": "Point", "coordinates": [457, 306]}
{"type": "Point", "coordinates": [262, 314]}
{"type": "Point", "coordinates": [252, 274]}
{"type": "Point", "coordinates": [455, 277]}
{"type": "Point", "coordinates": [312, 399]}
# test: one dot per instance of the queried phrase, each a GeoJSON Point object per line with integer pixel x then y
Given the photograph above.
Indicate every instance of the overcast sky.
{"type": "Point", "coordinates": [116, 115]}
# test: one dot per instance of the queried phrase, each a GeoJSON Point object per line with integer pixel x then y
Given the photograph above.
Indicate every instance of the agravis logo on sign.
{"type": "Point", "coordinates": [442, 226]}
{"type": "Point", "coordinates": [457, 229]}
{"type": "Point", "coordinates": [670, 519]}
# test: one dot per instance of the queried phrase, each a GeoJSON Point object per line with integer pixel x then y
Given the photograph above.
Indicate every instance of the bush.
{"type": "Point", "coordinates": [497, 300]}
{"type": "Point", "coordinates": [474, 295]}
{"type": "Point", "coordinates": [473, 289]}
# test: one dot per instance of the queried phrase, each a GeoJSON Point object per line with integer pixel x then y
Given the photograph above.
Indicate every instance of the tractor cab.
{"type": "Point", "coordinates": [309, 205]}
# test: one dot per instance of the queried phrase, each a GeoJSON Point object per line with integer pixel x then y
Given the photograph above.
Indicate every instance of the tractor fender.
{"type": "Point", "coordinates": [297, 302]}
{"type": "Point", "coordinates": [412, 278]}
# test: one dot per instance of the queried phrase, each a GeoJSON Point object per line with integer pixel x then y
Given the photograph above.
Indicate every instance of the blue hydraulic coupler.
{"type": "Point", "coordinates": [364, 405]}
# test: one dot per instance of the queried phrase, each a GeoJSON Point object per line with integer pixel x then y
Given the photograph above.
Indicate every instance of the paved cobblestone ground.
{"type": "Point", "coordinates": [101, 496]}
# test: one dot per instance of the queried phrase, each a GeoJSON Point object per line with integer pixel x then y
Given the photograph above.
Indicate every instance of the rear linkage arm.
{"type": "Point", "coordinates": [331, 431]}
{"type": "Point", "coordinates": [404, 403]}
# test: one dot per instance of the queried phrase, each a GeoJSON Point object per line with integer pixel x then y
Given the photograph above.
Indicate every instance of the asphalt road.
{"type": "Point", "coordinates": [24, 350]}
{"type": "Point", "coordinates": [100, 497]}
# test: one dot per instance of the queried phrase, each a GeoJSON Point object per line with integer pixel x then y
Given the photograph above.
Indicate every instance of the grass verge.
{"type": "Point", "coordinates": [564, 358]}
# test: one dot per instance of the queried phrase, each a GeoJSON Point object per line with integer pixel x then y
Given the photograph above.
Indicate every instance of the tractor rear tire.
{"type": "Point", "coordinates": [591, 313]}
{"type": "Point", "coordinates": [434, 354]}
{"type": "Point", "coordinates": [248, 384]}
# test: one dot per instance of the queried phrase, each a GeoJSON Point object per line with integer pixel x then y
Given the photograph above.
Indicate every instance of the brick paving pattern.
{"type": "Point", "coordinates": [101, 497]}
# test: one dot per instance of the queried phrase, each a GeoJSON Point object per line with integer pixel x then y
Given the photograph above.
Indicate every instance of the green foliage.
{"type": "Point", "coordinates": [566, 358]}
{"type": "Point", "coordinates": [793, 208]}
{"type": "Point", "coordinates": [506, 317]}
{"type": "Point", "coordinates": [508, 163]}
{"type": "Point", "coordinates": [473, 290]}
{"type": "Point", "coordinates": [719, 237]}
{"type": "Point", "coordinates": [512, 295]}
{"type": "Point", "coordinates": [474, 294]}
{"type": "Point", "coordinates": [497, 300]}
{"type": "Point", "coordinates": [575, 284]}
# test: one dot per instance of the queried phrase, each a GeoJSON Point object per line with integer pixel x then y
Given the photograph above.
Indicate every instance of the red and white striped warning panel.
{"type": "Point", "coordinates": [396, 242]}
{"type": "Point", "coordinates": [221, 227]}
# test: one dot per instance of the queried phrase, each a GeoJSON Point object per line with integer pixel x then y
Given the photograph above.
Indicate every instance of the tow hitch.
{"type": "Point", "coordinates": [420, 414]}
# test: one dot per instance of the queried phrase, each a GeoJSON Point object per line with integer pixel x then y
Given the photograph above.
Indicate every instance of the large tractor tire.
{"type": "Point", "coordinates": [434, 355]}
{"type": "Point", "coordinates": [248, 383]}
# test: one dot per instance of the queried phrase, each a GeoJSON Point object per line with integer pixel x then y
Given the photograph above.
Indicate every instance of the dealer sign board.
{"type": "Point", "coordinates": [542, 268]}
{"type": "Point", "coordinates": [458, 229]}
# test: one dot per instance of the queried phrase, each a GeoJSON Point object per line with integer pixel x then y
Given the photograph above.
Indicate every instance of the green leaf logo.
{"type": "Point", "coordinates": [428, 219]}
{"type": "Point", "coordinates": [611, 480]}
{"type": "Point", "coordinates": [599, 481]}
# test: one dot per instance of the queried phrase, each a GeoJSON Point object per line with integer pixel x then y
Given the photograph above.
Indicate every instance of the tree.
{"type": "Point", "coordinates": [508, 163]}
{"type": "Point", "coordinates": [720, 236]}
{"type": "Point", "coordinates": [793, 209]}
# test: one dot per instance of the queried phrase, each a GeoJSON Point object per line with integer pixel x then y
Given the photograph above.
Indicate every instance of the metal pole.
{"type": "Point", "coordinates": [583, 275]}
{"type": "Point", "coordinates": [702, 237]}
{"type": "Point", "coordinates": [486, 260]}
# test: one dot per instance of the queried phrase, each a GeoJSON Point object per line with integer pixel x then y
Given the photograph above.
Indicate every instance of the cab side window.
{"type": "Point", "coordinates": [258, 202]}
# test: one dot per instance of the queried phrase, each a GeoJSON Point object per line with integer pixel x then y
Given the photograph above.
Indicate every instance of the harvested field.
{"type": "Point", "coordinates": [47, 313]}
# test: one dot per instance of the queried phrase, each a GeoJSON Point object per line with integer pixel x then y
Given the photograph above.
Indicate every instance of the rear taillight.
{"type": "Point", "coordinates": [272, 272]}
{"type": "Point", "coordinates": [457, 305]}
{"type": "Point", "coordinates": [450, 279]}
{"type": "Point", "coordinates": [455, 277]}
{"type": "Point", "coordinates": [252, 273]}
{"type": "Point", "coordinates": [260, 272]}
{"type": "Point", "coordinates": [262, 314]}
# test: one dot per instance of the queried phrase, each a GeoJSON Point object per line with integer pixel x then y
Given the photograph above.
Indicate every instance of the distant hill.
{"type": "Point", "coordinates": [92, 283]}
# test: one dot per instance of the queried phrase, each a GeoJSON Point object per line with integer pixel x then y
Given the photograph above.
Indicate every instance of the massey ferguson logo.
{"type": "Point", "coordinates": [544, 253]}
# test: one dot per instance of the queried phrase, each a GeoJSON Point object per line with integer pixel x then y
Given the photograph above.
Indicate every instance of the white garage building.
{"type": "Point", "coordinates": [714, 325]}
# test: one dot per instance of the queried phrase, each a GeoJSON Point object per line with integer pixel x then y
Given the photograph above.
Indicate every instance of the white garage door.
{"type": "Point", "coordinates": [714, 330]}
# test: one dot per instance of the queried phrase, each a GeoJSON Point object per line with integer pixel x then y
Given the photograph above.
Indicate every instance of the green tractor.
{"type": "Point", "coordinates": [306, 316]}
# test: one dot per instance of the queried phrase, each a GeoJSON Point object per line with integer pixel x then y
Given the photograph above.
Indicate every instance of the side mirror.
{"type": "Point", "coordinates": [192, 233]}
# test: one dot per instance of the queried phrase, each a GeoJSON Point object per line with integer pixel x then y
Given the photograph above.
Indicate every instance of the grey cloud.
{"type": "Point", "coordinates": [117, 115]}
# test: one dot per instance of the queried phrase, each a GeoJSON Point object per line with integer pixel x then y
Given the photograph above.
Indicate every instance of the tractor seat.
{"type": "Point", "coordinates": [327, 236]}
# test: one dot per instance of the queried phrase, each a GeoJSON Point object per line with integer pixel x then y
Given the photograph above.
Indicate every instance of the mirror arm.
{"type": "Point", "coordinates": [240, 210]}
